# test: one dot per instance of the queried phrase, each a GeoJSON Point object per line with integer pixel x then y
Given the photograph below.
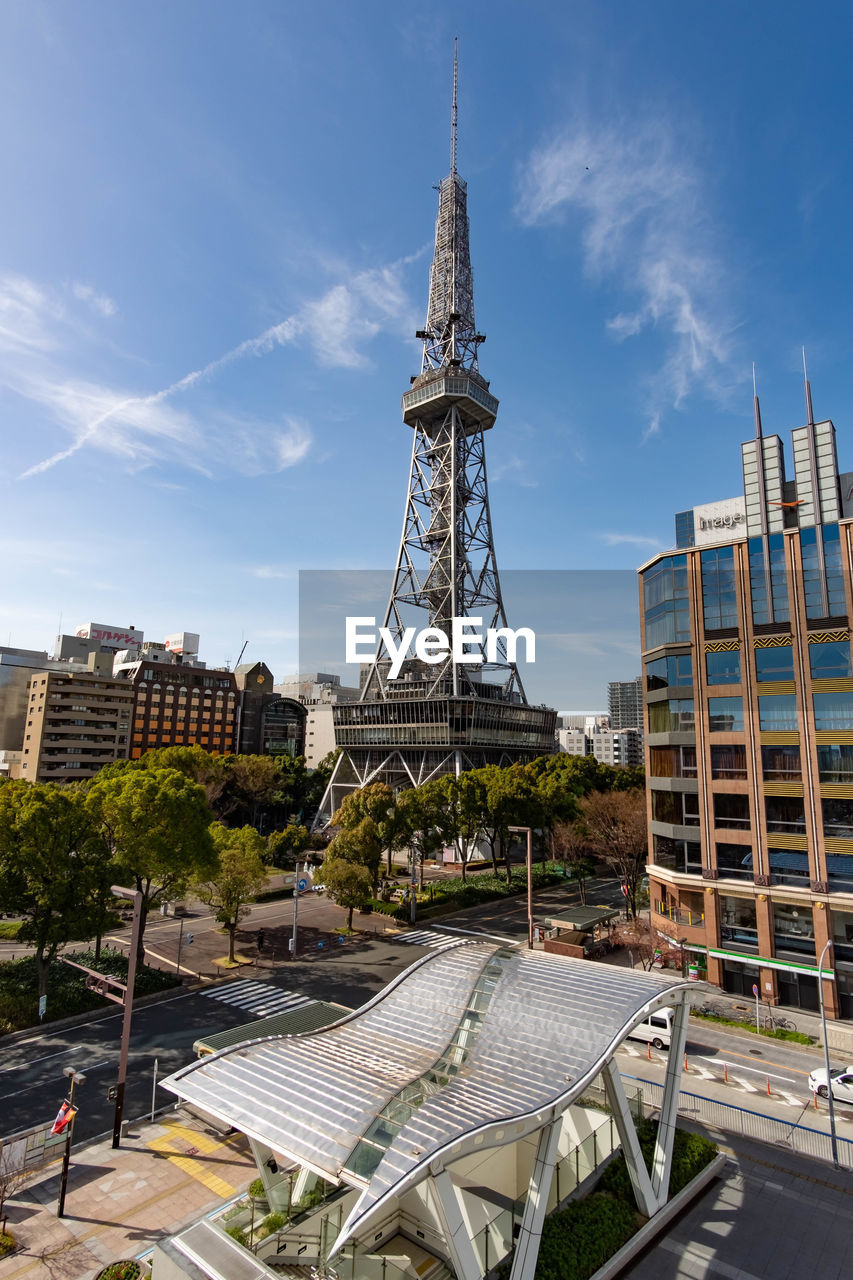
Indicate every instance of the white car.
{"type": "Point", "coordinates": [842, 1083]}
{"type": "Point", "coordinates": [319, 888]}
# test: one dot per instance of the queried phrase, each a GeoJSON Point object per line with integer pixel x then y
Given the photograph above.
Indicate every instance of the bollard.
{"type": "Point", "coordinates": [815, 1101]}
{"type": "Point", "coordinates": [649, 1050]}
{"type": "Point", "coordinates": [685, 1062]}
{"type": "Point", "coordinates": [725, 1073]}
{"type": "Point", "coordinates": [768, 1086]}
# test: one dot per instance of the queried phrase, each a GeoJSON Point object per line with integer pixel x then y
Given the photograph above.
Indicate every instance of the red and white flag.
{"type": "Point", "coordinates": [64, 1117]}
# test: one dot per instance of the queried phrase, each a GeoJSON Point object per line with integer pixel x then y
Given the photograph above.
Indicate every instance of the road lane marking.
{"type": "Point", "coordinates": [759, 1071]}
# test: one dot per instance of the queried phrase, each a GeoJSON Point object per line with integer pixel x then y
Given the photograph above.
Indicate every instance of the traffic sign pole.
{"type": "Point", "coordinates": [757, 1022]}
{"type": "Point", "coordinates": [295, 913]}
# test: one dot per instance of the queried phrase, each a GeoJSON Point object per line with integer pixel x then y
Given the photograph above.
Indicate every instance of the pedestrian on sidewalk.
{"type": "Point", "coordinates": [261, 939]}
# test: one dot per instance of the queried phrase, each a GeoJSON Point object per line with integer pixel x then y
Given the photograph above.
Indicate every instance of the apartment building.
{"type": "Point", "coordinates": [77, 721]}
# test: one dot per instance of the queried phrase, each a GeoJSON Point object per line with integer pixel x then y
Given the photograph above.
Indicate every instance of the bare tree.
{"type": "Point", "coordinates": [572, 847]}
{"type": "Point", "coordinates": [614, 826]}
{"type": "Point", "coordinates": [13, 1174]}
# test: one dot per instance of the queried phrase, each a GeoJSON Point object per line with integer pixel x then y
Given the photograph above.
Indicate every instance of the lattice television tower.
{"type": "Point", "coordinates": [449, 716]}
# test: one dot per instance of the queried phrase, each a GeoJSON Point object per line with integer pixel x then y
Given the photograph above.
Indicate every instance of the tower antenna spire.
{"type": "Point", "coordinates": [756, 408]}
{"type": "Point", "coordinates": [808, 390]}
{"type": "Point", "coordinates": [453, 110]}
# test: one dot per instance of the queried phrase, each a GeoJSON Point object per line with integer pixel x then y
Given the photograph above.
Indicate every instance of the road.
{"type": "Point", "coordinates": [32, 1084]}
{"type": "Point", "coordinates": [31, 1081]}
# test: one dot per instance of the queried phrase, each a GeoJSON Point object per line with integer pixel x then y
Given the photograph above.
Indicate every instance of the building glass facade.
{"type": "Point", "coordinates": [748, 689]}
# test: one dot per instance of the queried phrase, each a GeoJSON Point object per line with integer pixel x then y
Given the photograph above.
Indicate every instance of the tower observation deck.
{"type": "Point", "coordinates": [444, 716]}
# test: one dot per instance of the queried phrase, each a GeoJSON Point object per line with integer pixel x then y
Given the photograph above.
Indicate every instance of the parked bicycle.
{"type": "Point", "coordinates": [776, 1022]}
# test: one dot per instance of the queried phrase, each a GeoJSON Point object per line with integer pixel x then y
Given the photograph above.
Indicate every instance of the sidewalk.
{"type": "Point", "coordinates": [119, 1203]}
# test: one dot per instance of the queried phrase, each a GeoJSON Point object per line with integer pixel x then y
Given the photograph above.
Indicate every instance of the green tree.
{"type": "Point", "coordinates": [360, 845]}
{"type": "Point", "coordinates": [456, 805]}
{"type": "Point", "coordinates": [284, 847]}
{"type": "Point", "coordinates": [348, 883]}
{"type": "Point", "coordinates": [511, 799]}
{"type": "Point", "coordinates": [378, 803]}
{"type": "Point", "coordinates": [614, 826]}
{"type": "Point", "coordinates": [207, 770]}
{"type": "Point", "coordinates": [418, 814]}
{"type": "Point", "coordinates": [254, 785]}
{"type": "Point", "coordinates": [238, 878]}
{"type": "Point", "coordinates": [156, 823]}
{"type": "Point", "coordinates": [52, 864]}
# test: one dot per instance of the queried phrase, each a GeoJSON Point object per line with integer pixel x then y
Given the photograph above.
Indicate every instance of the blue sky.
{"type": "Point", "coordinates": [215, 235]}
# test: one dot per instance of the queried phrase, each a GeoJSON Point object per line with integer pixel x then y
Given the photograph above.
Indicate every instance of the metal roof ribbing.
{"type": "Point", "coordinates": [312, 1097]}
{"type": "Point", "coordinates": [551, 1022]}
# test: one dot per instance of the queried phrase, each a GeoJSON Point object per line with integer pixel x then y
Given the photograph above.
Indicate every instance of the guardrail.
{"type": "Point", "coordinates": [752, 1124]}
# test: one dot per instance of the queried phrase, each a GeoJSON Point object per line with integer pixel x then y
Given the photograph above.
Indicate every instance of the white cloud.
{"type": "Point", "coordinates": [267, 572]}
{"type": "Point", "coordinates": [631, 539]}
{"type": "Point", "coordinates": [100, 303]}
{"type": "Point", "coordinates": [513, 468]}
{"type": "Point", "coordinates": [26, 316]}
{"type": "Point", "coordinates": [143, 428]}
{"type": "Point", "coordinates": [646, 229]}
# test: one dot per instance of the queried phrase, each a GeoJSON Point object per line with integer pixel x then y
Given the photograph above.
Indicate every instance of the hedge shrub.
{"type": "Point", "coordinates": [67, 993]}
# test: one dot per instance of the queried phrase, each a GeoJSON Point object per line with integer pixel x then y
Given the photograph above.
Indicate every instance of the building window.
{"type": "Point", "coordinates": [731, 811]}
{"type": "Point", "coordinates": [788, 867]}
{"type": "Point", "coordinates": [833, 710]}
{"type": "Point", "coordinates": [719, 598]}
{"type": "Point", "coordinates": [734, 861]}
{"type": "Point", "coordinates": [830, 660]}
{"type": "Point", "coordinates": [842, 935]}
{"type": "Point", "coordinates": [786, 814]}
{"type": "Point", "coordinates": [839, 868]}
{"type": "Point", "coordinates": [776, 663]}
{"type": "Point", "coordinates": [793, 929]}
{"type": "Point", "coordinates": [838, 818]}
{"type": "Point", "coordinates": [673, 716]}
{"type": "Point", "coordinates": [781, 764]}
{"type": "Point", "coordinates": [723, 668]}
{"type": "Point", "coordinates": [739, 927]}
{"type": "Point", "coordinates": [834, 605]}
{"type": "Point", "coordinates": [674, 670]}
{"type": "Point", "coordinates": [777, 712]}
{"type": "Point", "coordinates": [669, 762]}
{"type": "Point", "coordinates": [678, 808]}
{"type": "Point", "coordinates": [725, 715]}
{"type": "Point", "coordinates": [677, 855]}
{"type": "Point", "coordinates": [835, 763]}
{"type": "Point", "coordinates": [761, 611]}
{"type": "Point", "coordinates": [729, 762]}
{"type": "Point", "coordinates": [667, 617]}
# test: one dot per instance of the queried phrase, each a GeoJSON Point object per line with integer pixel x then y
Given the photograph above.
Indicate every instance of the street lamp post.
{"type": "Point", "coordinates": [529, 832]}
{"type": "Point", "coordinates": [135, 896]}
{"type": "Point", "coordinates": [832, 1138]}
{"type": "Point", "coordinates": [76, 1078]}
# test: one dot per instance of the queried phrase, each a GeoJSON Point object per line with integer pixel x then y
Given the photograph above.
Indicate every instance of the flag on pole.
{"type": "Point", "coordinates": [64, 1117]}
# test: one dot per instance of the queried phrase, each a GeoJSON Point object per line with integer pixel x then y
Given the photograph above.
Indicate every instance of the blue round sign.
{"type": "Point", "coordinates": [303, 884]}
{"type": "Point", "coordinates": [754, 989]}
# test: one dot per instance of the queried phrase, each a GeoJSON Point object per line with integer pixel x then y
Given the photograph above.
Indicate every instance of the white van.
{"type": "Point", "coordinates": [657, 1028]}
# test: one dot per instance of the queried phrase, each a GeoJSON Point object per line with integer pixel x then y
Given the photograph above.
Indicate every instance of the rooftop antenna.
{"type": "Point", "coordinates": [453, 112]}
{"type": "Point", "coordinates": [756, 408]}
{"type": "Point", "coordinates": [808, 390]}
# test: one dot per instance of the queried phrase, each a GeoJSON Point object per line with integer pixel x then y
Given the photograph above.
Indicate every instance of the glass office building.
{"type": "Point", "coordinates": [748, 692]}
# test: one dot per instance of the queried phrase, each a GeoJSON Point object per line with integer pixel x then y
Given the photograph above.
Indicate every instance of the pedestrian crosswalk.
{"type": "Point", "coordinates": [259, 998]}
{"type": "Point", "coordinates": [427, 938]}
